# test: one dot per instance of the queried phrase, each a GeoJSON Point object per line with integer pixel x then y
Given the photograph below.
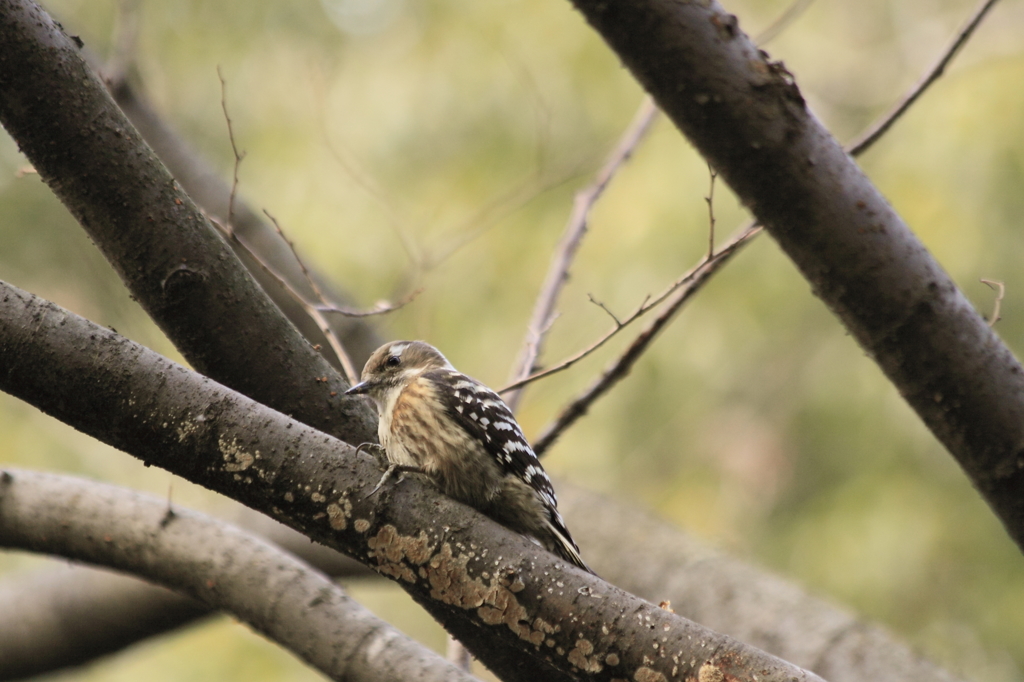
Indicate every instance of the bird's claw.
{"type": "Point", "coordinates": [389, 472]}
{"type": "Point", "coordinates": [383, 479]}
{"type": "Point", "coordinates": [377, 452]}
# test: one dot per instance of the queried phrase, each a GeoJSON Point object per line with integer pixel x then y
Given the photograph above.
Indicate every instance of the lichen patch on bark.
{"type": "Point", "coordinates": [390, 549]}
{"type": "Point", "coordinates": [709, 672]}
{"type": "Point", "coordinates": [645, 674]}
{"type": "Point", "coordinates": [582, 656]}
{"type": "Point", "coordinates": [236, 458]}
{"type": "Point", "coordinates": [338, 513]}
{"type": "Point", "coordinates": [492, 594]}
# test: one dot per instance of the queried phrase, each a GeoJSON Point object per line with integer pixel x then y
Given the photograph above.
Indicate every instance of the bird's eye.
{"type": "Point", "coordinates": [393, 361]}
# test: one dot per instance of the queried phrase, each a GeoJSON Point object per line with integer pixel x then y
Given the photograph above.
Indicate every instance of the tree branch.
{"type": "Point", "coordinates": [621, 366]}
{"type": "Point", "coordinates": [681, 292]}
{"type": "Point", "coordinates": [220, 565]}
{"type": "Point", "coordinates": [207, 182]}
{"type": "Point", "coordinates": [558, 272]}
{"type": "Point", "coordinates": [745, 114]}
{"type": "Point", "coordinates": [733, 597]}
{"type": "Point", "coordinates": [872, 134]}
{"type": "Point", "coordinates": [522, 611]}
{"type": "Point", "coordinates": [73, 614]}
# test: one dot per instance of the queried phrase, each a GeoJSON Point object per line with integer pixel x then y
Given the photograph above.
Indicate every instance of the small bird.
{"type": "Point", "coordinates": [437, 421]}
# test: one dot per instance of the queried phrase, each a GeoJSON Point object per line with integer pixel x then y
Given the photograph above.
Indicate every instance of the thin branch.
{"type": "Point", "coordinates": [324, 306]}
{"type": "Point", "coordinates": [1000, 289]}
{"type": "Point", "coordinates": [496, 210]}
{"type": "Point", "coordinates": [351, 372]}
{"type": "Point", "coordinates": [464, 233]}
{"type": "Point", "coordinates": [125, 40]}
{"type": "Point", "coordinates": [364, 180]}
{"type": "Point", "coordinates": [871, 135]}
{"type": "Point", "coordinates": [688, 284]}
{"type": "Point", "coordinates": [558, 271]}
{"type": "Point", "coordinates": [784, 21]}
{"type": "Point", "coordinates": [693, 281]}
{"type": "Point", "coordinates": [315, 311]}
{"type": "Point", "coordinates": [710, 199]}
{"type": "Point", "coordinates": [205, 186]}
{"type": "Point", "coordinates": [382, 307]}
{"type": "Point", "coordinates": [602, 306]}
{"type": "Point", "coordinates": [234, 148]}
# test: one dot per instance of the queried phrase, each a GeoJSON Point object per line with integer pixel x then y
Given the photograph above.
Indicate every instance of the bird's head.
{"type": "Point", "coordinates": [395, 364]}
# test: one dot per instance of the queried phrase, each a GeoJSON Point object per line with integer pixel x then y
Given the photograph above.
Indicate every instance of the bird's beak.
{"type": "Point", "coordinates": [362, 388]}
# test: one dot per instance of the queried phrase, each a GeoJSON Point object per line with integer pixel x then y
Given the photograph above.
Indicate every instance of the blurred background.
{"type": "Point", "coordinates": [437, 144]}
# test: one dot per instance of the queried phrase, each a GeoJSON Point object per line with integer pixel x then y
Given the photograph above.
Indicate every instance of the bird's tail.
{"type": "Point", "coordinates": [562, 544]}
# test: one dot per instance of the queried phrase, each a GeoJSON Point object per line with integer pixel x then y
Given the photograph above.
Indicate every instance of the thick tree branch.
{"type": "Point", "coordinates": [747, 117]}
{"type": "Point", "coordinates": [218, 564]}
{"type": "Point", "coordinates": [172, 260]}
{"type": "Point", "coordinates": [68, 616]}
{"type": "Point", "coordinates": [65, 617]}
{"type": "Point", "coordinates": [73, 614]}
{"type": "Point", "coordinates": [733, 597]}
{"type": "Point", "coordinates": [521, 611]}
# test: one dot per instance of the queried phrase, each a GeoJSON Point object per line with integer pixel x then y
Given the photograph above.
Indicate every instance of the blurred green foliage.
{"type": "Point", "coordinates": [437, 144]}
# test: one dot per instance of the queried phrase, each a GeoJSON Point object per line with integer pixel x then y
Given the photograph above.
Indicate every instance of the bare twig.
{"type": "Point", "coordinates": [558, 271]}
{"type": "Point", "coordinates": [602, 306]}
{"type": "Point", "coordinates": [125, 41]}
{"type": "Point", "coordinates": [351, 372]}
{"type": "Point", "coordinates": [324, 306]}
{"type": "Point", "coordinates": [234, 148]}
{"type": "Point", "coordinates": [622, 365]}
{"type": "Point", "coordinates": [315, 311]}
{"type": "Point", "coordinates": [871, 135]}
{"type": "Point", "coordinates": [690, 282]}
{"type": "Point", "coordinates": [1000, 289]}
{"type": "Point", "coordinates": [784, 21]}
{"type": "Point", "coordinates": [365, 181]}
{"type": "Point", "coordinates": [381, 308]}
{"type": "Point", "coordinates": [496, 210]}
{"type": "Point", "coordinates": [462, 234]}
{"type": "Point", "coordinates": [710, 199]}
